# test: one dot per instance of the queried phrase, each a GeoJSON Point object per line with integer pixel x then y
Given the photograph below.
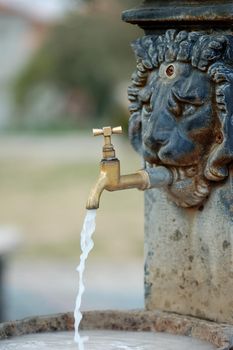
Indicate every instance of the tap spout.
{"type": "Point", "coordinates": [111, 180]}
{"type": "Point", "coordinates": [95, 194]}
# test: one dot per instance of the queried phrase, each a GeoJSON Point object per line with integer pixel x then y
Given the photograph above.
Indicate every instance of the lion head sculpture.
{"type": "Point", "coordinates": [182, 109]}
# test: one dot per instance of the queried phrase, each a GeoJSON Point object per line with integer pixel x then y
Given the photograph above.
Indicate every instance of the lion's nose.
{"type": "Point", "coordinates": [156, 139]}
{"type": "Point", "coordinates": [159, 129]}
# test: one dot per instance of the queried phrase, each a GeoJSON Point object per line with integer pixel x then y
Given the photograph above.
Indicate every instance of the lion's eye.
{"type": "Point", "coordinates": [170, 71]}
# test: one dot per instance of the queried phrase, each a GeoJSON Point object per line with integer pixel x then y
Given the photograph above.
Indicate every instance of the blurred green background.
{"type": "Point", "coordinates": [65, 69]}
{"type": "Point", "coordinates": [80, 72]}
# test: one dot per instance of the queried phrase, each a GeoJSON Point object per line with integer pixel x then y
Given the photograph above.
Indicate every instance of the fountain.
{"type": "Point", "coordinates": [182, 125]}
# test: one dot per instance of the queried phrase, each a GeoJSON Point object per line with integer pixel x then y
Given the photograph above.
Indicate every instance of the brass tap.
{"type": "Point", "coordinates": [110, 178]}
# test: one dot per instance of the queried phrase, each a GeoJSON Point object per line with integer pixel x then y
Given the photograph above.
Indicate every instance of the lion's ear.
{"type": "Point", "coordinates": [222, 153]}
{"type": "Point", "coordinates": [146, 55]}
{"type": "Point", "coordinates": [135, 131]}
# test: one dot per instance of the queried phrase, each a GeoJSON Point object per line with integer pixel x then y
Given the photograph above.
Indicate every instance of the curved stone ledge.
{"type": "Point", "coordinates": [220, 335]}
{"type": "Point", "coordinates": [200, 13]}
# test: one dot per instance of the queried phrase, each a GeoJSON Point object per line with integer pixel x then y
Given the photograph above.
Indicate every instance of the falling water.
{"type": "Point", "coordinates": [86, 246]}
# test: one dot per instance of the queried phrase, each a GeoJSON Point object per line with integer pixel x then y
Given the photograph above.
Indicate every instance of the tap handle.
{"type": "Point", "coordinates": [107, 132]}
{"type": "Point", "coordinates": [117, 130]}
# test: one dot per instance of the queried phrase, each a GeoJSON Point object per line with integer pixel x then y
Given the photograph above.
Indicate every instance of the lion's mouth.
{"type": "Point", "coordinates": [166, 156]}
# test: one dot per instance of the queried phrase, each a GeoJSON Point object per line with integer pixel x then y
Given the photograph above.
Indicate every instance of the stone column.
{"type": "Point", "coordinates": [182, 117]}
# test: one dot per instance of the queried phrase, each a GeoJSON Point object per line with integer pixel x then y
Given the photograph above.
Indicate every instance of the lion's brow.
{"type": "Point", "coordinates": [192, 100]}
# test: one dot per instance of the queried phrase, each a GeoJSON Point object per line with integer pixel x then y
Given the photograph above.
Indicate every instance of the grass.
{"type": "Point", "coordinates": [46, 201]}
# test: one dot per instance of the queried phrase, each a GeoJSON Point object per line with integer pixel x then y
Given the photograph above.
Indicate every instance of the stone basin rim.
{"type": "Point", "coordinates": [219, 335]}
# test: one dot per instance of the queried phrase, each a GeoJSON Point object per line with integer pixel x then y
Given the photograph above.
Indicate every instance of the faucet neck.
{"type": "Point", "coordinates": [108, 150]}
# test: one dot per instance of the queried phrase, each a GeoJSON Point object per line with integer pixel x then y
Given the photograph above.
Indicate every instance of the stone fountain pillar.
{"type": "Point", "coordinates": [182, 117]}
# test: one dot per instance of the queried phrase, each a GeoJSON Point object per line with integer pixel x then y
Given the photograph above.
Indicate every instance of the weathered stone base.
{"type": "Point", "coordinates": [189, 255]}
{"type": "Point", "coordinates": [219, 335]}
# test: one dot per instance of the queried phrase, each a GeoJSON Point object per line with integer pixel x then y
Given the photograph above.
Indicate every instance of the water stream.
{"type": "Point", "coordinates": [86, 246]}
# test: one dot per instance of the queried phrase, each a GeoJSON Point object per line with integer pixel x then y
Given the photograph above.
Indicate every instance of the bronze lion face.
{"type": "Point", "coordinates": [181, 109]}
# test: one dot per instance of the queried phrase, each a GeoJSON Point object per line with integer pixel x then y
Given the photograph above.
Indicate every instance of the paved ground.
{"type": "Point", "coordinates": [61, 148]}
{"type": "Point", "coordinates": [40, 288]}
{"type": "Point", "coordinates": [51, 147]}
